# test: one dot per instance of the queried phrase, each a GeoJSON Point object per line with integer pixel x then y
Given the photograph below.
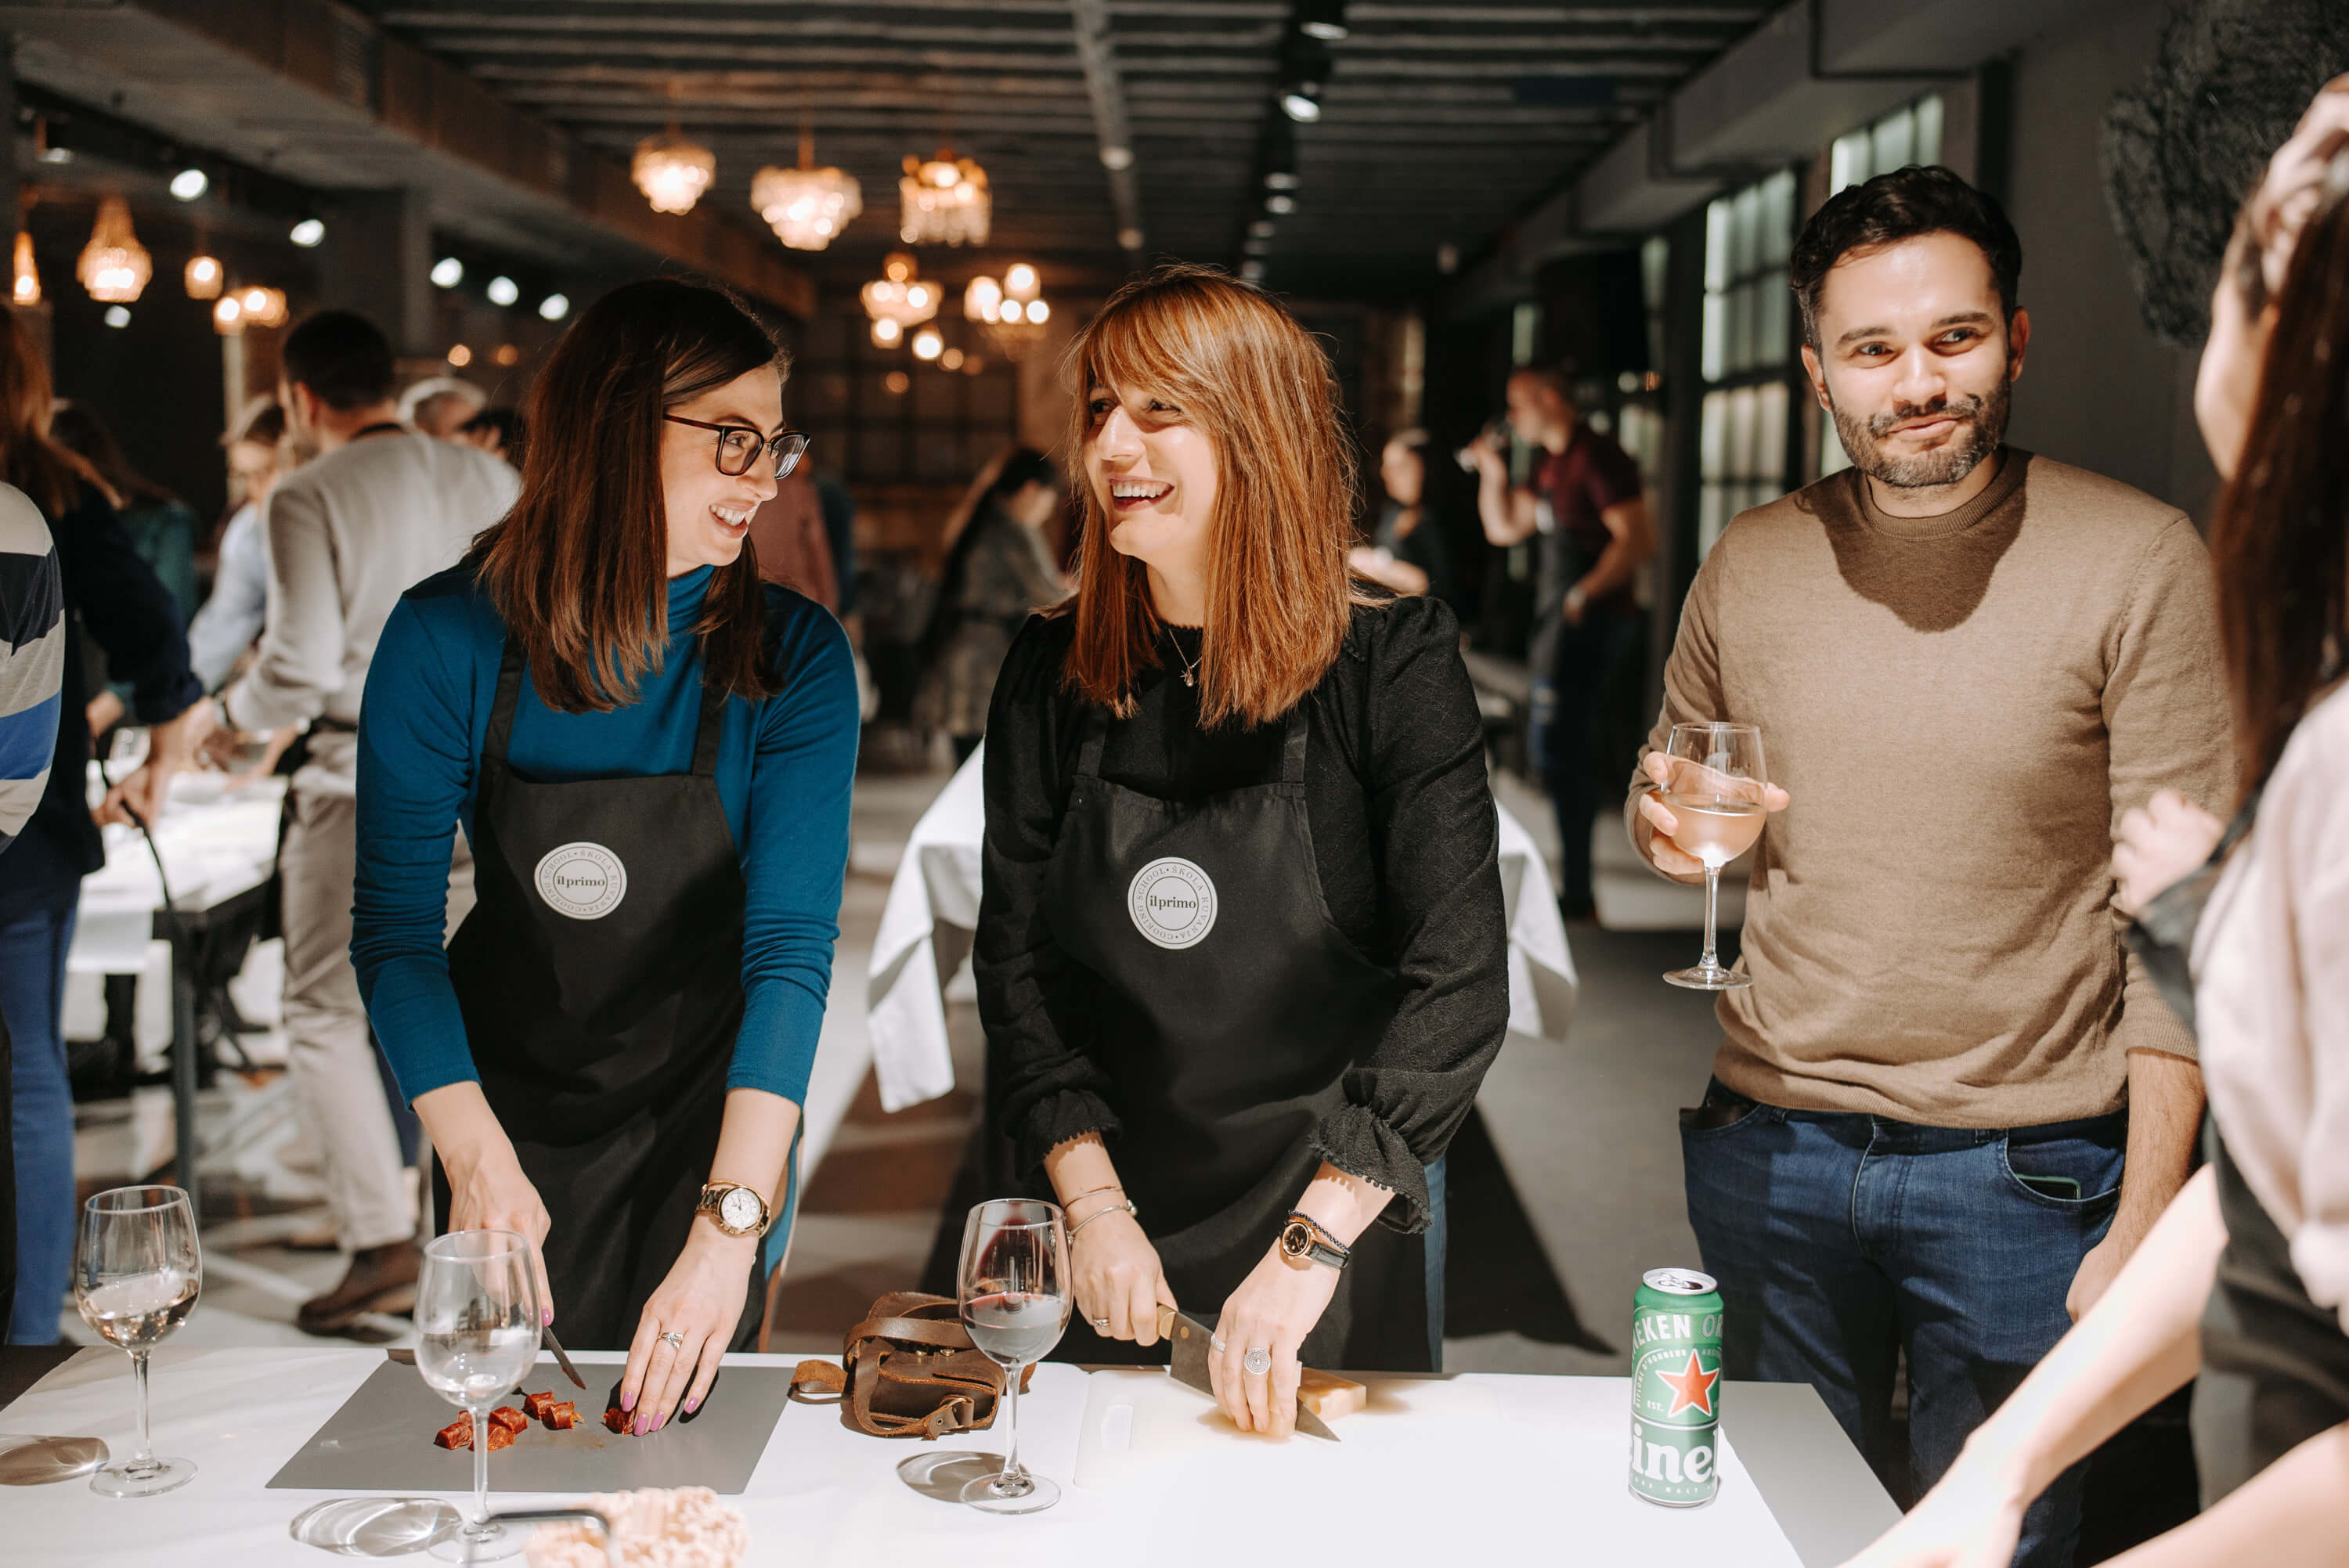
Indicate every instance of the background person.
{"type": "Point", "coordinates": [497, 431]}
{"type": "Point", "coordinates": [231, 620]}
{"type": "Point", "coordinates": [673, 741]}
{"type": "Point", "coordinates": [114, 597]}
{"type": "Point", "coordinates": [441, 406]}
{"type": "Point", "coordinates": [1949, 1106]}
{"type": "Point", "coordinates": [787, 533]}
{"type": "Point", "coordinates": [162, 529]}
{"type": "Point", "coordinates": [1407, 553]}
{"type": "Point", "coordinates": [1587, 505]}
{"type": "Point", "coordinates": [1241, 954]}
{"type": "Point", "coordinates": [2246, 1277]}
{"type": "Point", "coordinates": [999, 572]}
{"type": "Point", "coordinates": [380, 507]}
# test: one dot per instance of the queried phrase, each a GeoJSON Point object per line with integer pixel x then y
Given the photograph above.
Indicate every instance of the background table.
{"type": "Point", "coordinates": [1530, 1467]}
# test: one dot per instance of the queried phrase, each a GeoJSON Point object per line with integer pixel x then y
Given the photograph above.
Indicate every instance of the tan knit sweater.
{"type": "Point", "coordinates": [1961, 708]}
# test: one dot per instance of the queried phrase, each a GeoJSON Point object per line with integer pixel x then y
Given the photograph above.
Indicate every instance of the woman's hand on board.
{"type": "Point", "coordinates": [1273, 1310]}
{"type": "Point", "coordinates": [686, 1328]}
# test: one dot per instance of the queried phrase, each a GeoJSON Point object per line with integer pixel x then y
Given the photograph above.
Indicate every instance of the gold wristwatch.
{"type": "Point", "coordinates": [735, 1208]}
{"type": "Point", "coordinates": [1303, 1243]}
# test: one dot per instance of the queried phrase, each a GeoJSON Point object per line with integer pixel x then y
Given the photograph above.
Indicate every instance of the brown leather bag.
{"type": "Point", "coordinates": [909, 1370]}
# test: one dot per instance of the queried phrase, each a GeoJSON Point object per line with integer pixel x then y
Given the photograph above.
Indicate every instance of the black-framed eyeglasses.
{"type": "Point", "coordinates": [739, 446]}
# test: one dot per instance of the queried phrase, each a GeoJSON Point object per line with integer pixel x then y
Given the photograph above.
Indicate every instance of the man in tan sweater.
{"type": "Point", "coordinates": [1948, 1106]}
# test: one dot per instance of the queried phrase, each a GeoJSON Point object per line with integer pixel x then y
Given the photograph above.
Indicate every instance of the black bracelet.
{"type": "Point", "coordinates": [1328, 1241]}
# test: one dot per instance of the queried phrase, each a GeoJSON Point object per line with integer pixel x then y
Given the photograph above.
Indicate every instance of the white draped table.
{"type": "Point", "coordinates": [1472, 1469]}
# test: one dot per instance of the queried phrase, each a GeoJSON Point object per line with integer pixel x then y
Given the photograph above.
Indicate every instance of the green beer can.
{"type": "Point", "coordinates": [1675, 1387]}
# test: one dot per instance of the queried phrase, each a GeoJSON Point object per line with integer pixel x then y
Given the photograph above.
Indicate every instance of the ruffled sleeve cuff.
{"type": "Point", "coordinates": [1358, 1141]}
{"type": "Point", "coordinates": [1057, 1118]}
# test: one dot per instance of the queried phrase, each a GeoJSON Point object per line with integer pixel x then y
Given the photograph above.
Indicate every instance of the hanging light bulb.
{"type": "Point", "coordinates": [114, 265]}
{"type": "Point", "coordinates": [929, 343]}
{"type": "Point", "coordinates": [673, 171]}
{"type": "Point", "coordinates": [900, 297]}
{"type": "Point", "coordinates": [980, 299]}
{"type": "Point", "coordinates": [943, 201]}
{"type": "Point", "coordinates": [1012, 312]}
{"type": "Point", "coordinates": [228, 316]}
{"type": "Point", "coordinates": [887, 334]}
{"type": "Point", "coordinates": [807, 207]}
{"type": "Point", "coordinates": [262, 306]}
{"type": "Point", "coordinates": [447, 272]}
{"type": "Point", "coordinates": [26, 287]}
{"type": "Point", "coordinates": [203, 277]}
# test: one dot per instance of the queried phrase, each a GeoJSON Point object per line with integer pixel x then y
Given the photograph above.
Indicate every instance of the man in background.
{"type": "Point", "coordinates": [382, 507]}
{"type": "Point", "coordinates": [438, 405]}
{"type": "Point", "coordinates": [1586, 504]}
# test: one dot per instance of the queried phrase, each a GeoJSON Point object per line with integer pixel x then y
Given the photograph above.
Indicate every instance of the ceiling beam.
{"type": "Point", "coordinates": [1091, 20]}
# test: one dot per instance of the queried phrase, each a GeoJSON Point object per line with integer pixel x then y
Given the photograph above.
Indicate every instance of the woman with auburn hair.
{"type": "Point", "coordinates": [651, 751]}
{"type": "Point", "coordinates": [2243, 1286]}
{"type": "Point", "coordinates": [1241, 952]}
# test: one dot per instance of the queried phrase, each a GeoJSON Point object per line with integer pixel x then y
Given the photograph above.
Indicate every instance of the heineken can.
{"type": "Point", "coordinates": [1675, 1387]}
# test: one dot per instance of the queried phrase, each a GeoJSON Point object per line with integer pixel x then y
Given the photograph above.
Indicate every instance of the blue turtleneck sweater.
{"type": "Point", "coordinates": [785, 767]}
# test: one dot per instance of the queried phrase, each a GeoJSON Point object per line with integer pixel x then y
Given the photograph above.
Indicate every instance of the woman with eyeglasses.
{"type": "Point", "coordinates": [651, 751]}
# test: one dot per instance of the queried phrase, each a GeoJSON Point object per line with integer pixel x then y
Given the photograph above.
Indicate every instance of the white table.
{"type": "Point", "coordinates": [1475, 1469]}
{"type": "Point", "coordinates": [932, 910]}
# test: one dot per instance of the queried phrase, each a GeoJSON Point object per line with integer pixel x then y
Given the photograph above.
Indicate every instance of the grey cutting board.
{"type": "Point", "coordinates": [381, 1439]}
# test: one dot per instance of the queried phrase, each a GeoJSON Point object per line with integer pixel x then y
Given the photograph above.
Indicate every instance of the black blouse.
{"type": "Point", "coordinates": [1404, 834]}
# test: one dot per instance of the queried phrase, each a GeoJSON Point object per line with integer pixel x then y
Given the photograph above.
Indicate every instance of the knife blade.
{"type": "Point", "coordinates": [1189, 1348]}
{"type": "Point", "coordinates": [561, 1358]}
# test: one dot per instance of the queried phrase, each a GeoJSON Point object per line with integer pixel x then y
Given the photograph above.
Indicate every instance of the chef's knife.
{"type": "Point", "coordinates": [1188, 1351]}
{"type": "Point", "coordinates": [561, 1359]}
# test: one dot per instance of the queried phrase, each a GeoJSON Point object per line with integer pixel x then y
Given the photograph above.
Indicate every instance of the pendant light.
{"type": "Point", "coordinates": [943, 201]}
{"type": "Point", "coordinates": [114, 266]}
{"type": "Point", "coordinates": [807, 207]}
{"type": "Point", "coordinates": [26, 287]}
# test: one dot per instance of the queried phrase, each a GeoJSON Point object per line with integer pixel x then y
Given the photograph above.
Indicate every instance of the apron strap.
{"type": "Point", "coordinates": [1089, 755]}
{"type": "Point", "coordinates": [711, 727]}
{"type": "Point", "coordinates": [1292, 751]}
{"type": "Point", "coordinates": [502, 711]}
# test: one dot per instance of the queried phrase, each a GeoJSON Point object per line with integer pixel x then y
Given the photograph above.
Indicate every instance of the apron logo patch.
{"type": "Point", "coordinates": [583, 880]}
{"type": "Point", "coordinates": [1173, 902]}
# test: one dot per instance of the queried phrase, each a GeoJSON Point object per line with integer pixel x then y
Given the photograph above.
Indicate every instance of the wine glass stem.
{"type": "Point", "coordinates": [1712, 907]}
{"type": "Point", "coordinates": [1011, 1472]}
{"type": "Point", "coordinates": [481, 1469]}
{"type": "Point", "coordinates": [146, 1454]}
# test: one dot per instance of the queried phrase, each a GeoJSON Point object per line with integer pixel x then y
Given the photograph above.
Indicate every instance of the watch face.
{"type": "Point", "coordinates": [740, 1209]}
{"type": "Point", "coordinates": [1296, 1241]}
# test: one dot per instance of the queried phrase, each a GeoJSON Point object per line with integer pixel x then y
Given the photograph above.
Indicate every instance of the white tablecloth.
{"type": "Point", "coordinates": [1477, 1468]}
{"type": "Point", "coordinates": [215, 844]}
{"type": "Point", "coordinates": [933, 909]}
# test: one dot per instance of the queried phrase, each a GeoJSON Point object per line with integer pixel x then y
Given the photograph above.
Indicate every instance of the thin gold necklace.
{"type": "Point", "coordinates": [1190, 669]}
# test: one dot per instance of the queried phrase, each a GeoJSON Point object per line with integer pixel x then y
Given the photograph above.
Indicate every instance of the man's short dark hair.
{"type": "Point", "coordinates": [343, 358]}
{"type": "Point", "coordinates": [1899, 206]}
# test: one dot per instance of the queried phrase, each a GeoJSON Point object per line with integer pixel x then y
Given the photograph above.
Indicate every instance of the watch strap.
{"type": "Point", "coordinates": [712, 1202]}
{"type": "Point", "coordinates": [1321, 1247]}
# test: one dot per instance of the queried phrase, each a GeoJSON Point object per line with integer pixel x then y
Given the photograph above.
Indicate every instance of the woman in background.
{"type": "Point", "coordinates": [999, 572]}
{"type": "Point", "coordinates": [232, 617]}
{"type": "Point", "coordinates": [1408, 552]}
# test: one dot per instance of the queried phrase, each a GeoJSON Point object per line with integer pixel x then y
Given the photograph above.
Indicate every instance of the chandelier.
{"type": "Point", "coordinates": [26, 287]}
{"type": "Point", "coordinates": [203, 276]}
{"type": "Point", "coordinates": [946, 202]}
{"type": "Point", "coordinates": [672, 171]}
{"type": "Point", "coordinates": [114, 265]}
{"type": "Point", "coordinates": [807, 207]}
{"type": "Point", "coordinates": [897, 301]}
{"type": "Point", "coordinates": [1012, 313]}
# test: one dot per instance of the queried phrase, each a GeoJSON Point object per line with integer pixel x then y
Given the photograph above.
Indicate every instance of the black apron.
{"type": "Point", "coordinates": [600, 976]}
{"type": "Point", "coordinates": [2275, 1366]}
{"type": "Point", "coordinates": [1225, 1033]}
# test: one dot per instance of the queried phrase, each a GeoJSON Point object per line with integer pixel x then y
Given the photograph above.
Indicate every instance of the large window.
{"type": "Point", "coordinates": [1909, 134]}
{"type": "Point", "coordinates": [1747, 352]}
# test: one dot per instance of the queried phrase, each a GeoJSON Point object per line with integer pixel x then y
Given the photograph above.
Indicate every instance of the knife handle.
{"type": "Point", "coordinates": [1166, 1321]}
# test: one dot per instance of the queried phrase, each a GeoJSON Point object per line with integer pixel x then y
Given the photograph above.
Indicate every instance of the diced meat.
{"type": "Point", "coordinates": [457, 1434]}
{"type": "Point", "coordinates": [560, 1415]}
{"type": "Point", "coordinates": [615, 1420]}
{"type": "Point", "coordinates": [511, 1419]}
{"type": "Point", "coordinates": [534, 1405]}
{"type": "Point", "coordinates": [501, 1437]}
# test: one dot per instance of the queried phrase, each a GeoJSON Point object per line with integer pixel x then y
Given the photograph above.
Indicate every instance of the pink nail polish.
{"type": "Point", "coordinates": [628, 1401]}
{"type": "Point", "coordinates": [545, 1315]}
{"type": "Point", "coordinates": [691, 1406]}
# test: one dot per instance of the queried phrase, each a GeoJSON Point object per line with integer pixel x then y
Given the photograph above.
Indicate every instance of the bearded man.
{"type": "Point", "coordinates": [1949, 1104]}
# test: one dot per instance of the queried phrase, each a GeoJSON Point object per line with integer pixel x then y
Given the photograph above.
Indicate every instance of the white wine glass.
{"type": "Point", "coordinates": [138, 1270]}
{"type": "Point", "coordinates": [477, 1336]}
{"type": "Point", "coordinates": [1013, 1283]}
{"type": "Point", "coordinates": [1717, 778]}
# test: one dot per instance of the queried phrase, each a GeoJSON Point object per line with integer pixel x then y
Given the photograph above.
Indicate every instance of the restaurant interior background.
{"type": "Point", "coordinates": [1443, 189]}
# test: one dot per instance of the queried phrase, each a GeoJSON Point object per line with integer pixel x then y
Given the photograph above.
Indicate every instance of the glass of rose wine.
{"type": "Point", "coordinates": [1714, 796]}
{"type": "Point", "coordinates": [138, 1270]}
{"type": "Point", "coordinates": [1014, 1285]}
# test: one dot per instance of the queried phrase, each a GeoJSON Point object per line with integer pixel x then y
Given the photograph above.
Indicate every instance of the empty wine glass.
{"type": "Point", "coordinates": [1013, 1283]}
{"type": "Point", "coordinates": [477, 1336]}
{"type": "Point", "coordinates": [1714, 795]}
{"type": "Point", "coordinates": [137, 1273]}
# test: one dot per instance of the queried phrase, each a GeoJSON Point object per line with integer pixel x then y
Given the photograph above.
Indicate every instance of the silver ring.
{"type": "Point", "coordinates": [1102, 1324]}
{"type": "Point", "coordinates": [1256, 1363]}
{"type": "Point", "coordinates": [1215, 1343]}
{"type": "Point", "coordinates": [675, 1340]}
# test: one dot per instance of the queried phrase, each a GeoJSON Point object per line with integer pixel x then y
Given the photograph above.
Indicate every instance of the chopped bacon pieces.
{"type": "Point", "coordinates": [501, 1437]}
{"type": "Point", "coordinates": [457, 1434]}
{"type": "Point", "coordinates": [534, 1405]}
{"type": "Point", "coordinates": [615, 1420]}
{"type": "Point", "coordinates": [560, 1415]}
{"type": "Point", "coordinates": [511, 1419]}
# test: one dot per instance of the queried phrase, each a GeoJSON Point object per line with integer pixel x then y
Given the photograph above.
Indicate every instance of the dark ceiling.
{"type": "Point", "coordinates": [1442, 120]}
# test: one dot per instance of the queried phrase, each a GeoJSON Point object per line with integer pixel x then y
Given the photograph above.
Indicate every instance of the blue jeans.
{"type": "Point", "coordinates": [1842, 1241]}
{"type": "Point", "coordinates": [32, 995]}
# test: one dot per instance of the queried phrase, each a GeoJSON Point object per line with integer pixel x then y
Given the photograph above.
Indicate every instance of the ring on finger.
{"type": "Point", "coordinates": [673, 1340]}
{"type": "Point", "coordinates": [1215, 1343]}
{"type": "Point", "coordinates": [1257, 1362]}
{"type": "Point", "coordinates": [1101, 1326]}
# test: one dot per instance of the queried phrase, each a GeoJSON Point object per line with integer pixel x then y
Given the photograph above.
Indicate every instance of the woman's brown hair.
{"type": "Point", "coordinates": [2280, 543]}
{"type": "Point", "coordinates": [578, 569]}
{"type": "Point", "coordinates": [30, 458]}
{"type": "Point", "coordinates": [1244, 373]}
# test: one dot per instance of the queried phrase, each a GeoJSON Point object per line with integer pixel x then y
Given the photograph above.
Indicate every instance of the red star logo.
{"type": "Point", "coordinates": [1691, 1388]}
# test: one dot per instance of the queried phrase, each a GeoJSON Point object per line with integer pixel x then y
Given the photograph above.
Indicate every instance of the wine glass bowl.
{"type": "Point", "coordinates": [477, 1336]}
{"type": "Point", "coordinates": [1715, 781]}
{"type": "Point", "coordinates": [1013, 1282]}
{"type": "Point", "coordinates": [138, 1270]}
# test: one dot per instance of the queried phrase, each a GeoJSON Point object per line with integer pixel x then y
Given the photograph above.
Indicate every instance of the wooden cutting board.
{"type": "Point", "coordinates": [381, 1438]}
